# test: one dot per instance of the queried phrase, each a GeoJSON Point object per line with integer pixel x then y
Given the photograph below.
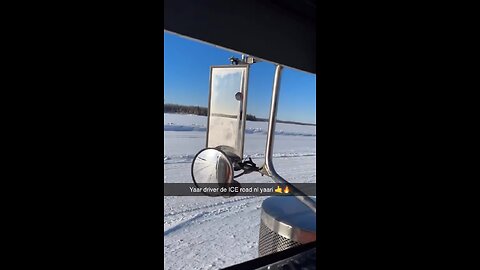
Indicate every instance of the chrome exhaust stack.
{"type": "Point", "coordinates": [286, 221]}
{"type": "Point", "coordinates": [268, 168]}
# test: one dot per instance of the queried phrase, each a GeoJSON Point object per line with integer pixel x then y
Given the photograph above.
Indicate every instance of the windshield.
{"type": "Point", "coordinates": [204, 232]}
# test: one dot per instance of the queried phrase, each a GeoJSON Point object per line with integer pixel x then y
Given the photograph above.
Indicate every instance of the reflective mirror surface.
{"type": "Point", "coordinates": [211, 166]}
{"type": "Point", "coordinates": [226, 119]}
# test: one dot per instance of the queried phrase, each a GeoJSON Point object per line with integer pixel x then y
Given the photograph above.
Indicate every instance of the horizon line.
{"type": "Point", "coordinates": [259, 118]}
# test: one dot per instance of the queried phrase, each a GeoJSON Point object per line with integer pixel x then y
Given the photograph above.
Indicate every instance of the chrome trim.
{"type": "Point", "coordinates": [244, 111]}
{"type": "Point", "coordinates": [268, 168]}
{"type": "Point", "coordinates": [287, 231]}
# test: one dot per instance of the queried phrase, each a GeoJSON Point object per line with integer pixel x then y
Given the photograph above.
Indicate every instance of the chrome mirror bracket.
{"type": "Point", "coordinates": [268, 168]}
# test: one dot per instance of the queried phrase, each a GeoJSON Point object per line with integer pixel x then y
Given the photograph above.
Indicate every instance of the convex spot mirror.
{"type": "Point", "coordinates": [227, 108]}
{"type": "Point", "coordinates": [212, 168]}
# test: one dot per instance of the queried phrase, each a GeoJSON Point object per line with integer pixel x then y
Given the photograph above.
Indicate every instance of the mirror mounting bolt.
{"type": "Point", "coordinates": [246, 60]}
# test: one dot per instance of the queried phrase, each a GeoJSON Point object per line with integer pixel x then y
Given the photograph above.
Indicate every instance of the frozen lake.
{"type": "Point", "coordinates": [212, 233]}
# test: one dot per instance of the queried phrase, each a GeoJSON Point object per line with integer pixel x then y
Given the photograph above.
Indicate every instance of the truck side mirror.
{"type": "Point", "coordinates": [212, 168]}
{"type": "Point", "coordinates": [227, 109]}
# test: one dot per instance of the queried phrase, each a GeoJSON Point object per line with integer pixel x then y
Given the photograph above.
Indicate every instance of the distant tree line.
{"type": "Point", "coordinates": [197, 110]}
{"type": "Point", "coordinates": [251, 117]}
{"type": "Point", "coordinates": [175, 108]}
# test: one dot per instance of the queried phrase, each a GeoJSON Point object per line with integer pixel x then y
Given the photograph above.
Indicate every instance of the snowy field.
{"type": "Point", "coordinates": [213, 233]}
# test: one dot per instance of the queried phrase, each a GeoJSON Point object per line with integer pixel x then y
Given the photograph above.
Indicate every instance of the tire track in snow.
{"type": "Point", "coordinates": [215, 213]}
{"type": "Point", "coordinates": [183, 224]}
{"type": "Point", "coordinates": [205, 216]}
{"type": "Point", "coordinates": [181, 159]}
{"type": "Point", "coordinates": [207, 206]}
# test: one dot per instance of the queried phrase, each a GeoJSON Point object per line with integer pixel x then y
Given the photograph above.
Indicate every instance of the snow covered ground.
{"type": "Point", "coordinates": [212, 233]}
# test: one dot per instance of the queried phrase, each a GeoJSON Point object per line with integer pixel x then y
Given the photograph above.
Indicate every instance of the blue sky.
{"type": "Point", "coordinates": [186, 78]}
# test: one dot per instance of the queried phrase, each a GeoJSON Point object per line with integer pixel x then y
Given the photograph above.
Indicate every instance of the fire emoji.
{"type": "Point", "coordinates": [286, 190]}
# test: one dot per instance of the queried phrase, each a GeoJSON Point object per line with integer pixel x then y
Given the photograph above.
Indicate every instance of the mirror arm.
{"type": "Point", "coordinates": [245, 60]}
{"type": "Point", "coordinates": [268, 168]}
